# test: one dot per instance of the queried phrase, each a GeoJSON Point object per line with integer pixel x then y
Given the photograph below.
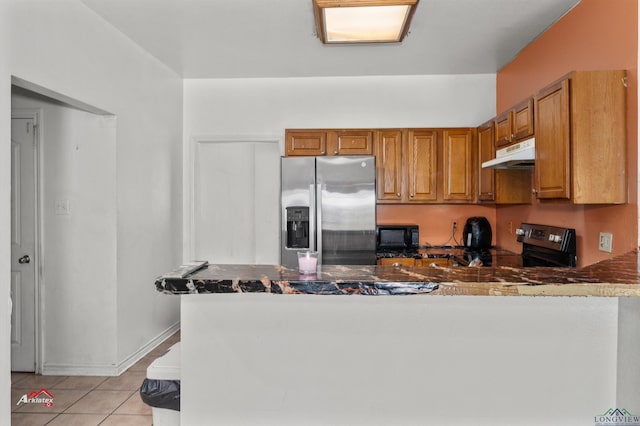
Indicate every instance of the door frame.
{"type": "Point", "coordinates": [36, 115]}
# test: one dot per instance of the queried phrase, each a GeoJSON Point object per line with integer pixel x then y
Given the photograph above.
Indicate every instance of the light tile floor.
{"type": "Point", "coordinates": [86, 400]}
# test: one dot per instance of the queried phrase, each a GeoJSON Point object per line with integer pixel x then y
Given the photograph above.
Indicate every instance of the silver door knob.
{"type": "Point", "coordinates": [24, 259]}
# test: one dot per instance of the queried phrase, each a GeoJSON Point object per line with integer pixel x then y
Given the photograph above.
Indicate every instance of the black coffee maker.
{"type": "Point", "coordinates": [476, 234]}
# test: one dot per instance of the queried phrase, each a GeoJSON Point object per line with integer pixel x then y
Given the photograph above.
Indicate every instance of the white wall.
{"type": "Point", "coordinates": [263, 108]}
{"type": "Point", "coordinates": [5, 219]}
{"type": "Point", "coordinates": [63, 46]}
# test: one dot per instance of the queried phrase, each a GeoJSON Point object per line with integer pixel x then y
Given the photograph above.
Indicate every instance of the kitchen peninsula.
{"type": "Point", "coordinates": [262, 344]}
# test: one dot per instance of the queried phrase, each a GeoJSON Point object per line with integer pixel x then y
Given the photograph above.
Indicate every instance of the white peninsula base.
{"type": "Point", "coordinates": [265, 359]}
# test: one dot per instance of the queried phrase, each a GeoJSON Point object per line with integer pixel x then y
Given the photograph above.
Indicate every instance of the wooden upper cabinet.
{"type": "Point", "coordinates": [329, 142]}
{"type": "Point", "coordinates": [581, 140]}
{"type": "Point", "coordinates": [406, 165]}
{"type": "Point", "coordinates": [503, 129]}
{"type": "Point", "coordinates": [515, 124]}
{"type": "Point", "coordinates": [351, 142]}
{"type": "Point", "coordinates": [553, 142]}
{"type": "Point", "coordinates": [305, 142]}
{"type": "Point", "coordinates": [523, 120]}
{"type": "Point", "coordinates": [459, 165]}
{"type": "Point", "coordinates": [486, 152]}
{"type": "Point", "coordinates": [421, 164]}
{"type": "Point", "coordinates": [389, 169]}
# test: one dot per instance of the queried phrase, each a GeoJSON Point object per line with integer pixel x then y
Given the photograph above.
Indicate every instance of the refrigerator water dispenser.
{"type": "Point", "coordinates": [298, 227]}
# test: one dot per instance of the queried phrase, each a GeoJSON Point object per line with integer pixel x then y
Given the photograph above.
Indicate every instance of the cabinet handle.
{"type": "Point", "coordinates": [412, 195]}
{"type": "Point", "coordinates": [534, 191]}
{"type": "Point", "coordinates": [335, 152]}
{"type": "Point", "coordinates": [513, 136]}
{"type": "Point", "coordinates": [322, 152]}
{"type": "Point", "coordinates": [398, 194]}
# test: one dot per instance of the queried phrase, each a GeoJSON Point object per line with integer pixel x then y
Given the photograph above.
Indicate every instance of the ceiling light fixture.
{"type": "Point", "coordinates": [363, 21]}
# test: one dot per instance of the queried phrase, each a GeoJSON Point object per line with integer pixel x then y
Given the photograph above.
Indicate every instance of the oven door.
{"type": "Point", "coordinates": [539, 256]}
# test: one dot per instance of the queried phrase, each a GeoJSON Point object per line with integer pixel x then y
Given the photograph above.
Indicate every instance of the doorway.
{"type": "Point", "coordinates": [25, 238]}
{"type": "Point", "coordinates": [64, 200]}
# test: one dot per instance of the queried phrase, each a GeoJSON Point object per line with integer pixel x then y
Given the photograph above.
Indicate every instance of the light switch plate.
{"type": "Point", "coordinates": [62, 207]}
{"type": "Point", "coordinates": [606, 242]}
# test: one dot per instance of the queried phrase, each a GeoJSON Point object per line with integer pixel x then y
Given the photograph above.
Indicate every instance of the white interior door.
{"type": "Point", "coordinates": [23, 237]}
{"type": "Point", "coordinates": [236, 202]}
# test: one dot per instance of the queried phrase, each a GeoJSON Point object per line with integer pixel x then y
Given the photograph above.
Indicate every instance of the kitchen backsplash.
{"type": "Point", "coordinates": [436, 221]}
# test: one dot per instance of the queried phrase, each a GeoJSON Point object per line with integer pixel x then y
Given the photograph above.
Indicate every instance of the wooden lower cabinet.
{"type": "Point", "coordinates": [440, 261]}
{"type": "Point", "coordinates": [397, 261]}
{"type": "Point", "coordinates": [404, 261]}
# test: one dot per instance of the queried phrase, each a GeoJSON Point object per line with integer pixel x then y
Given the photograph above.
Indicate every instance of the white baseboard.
{"type": "Point", "coordinates": [108, 369]}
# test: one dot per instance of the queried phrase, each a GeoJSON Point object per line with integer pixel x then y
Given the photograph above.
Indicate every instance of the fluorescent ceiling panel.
{"type": "Point", "coordinates": [367, 24]}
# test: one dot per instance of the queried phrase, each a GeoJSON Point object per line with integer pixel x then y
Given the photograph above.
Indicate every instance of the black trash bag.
{"type": "Point", "coordinates": [161, 393]}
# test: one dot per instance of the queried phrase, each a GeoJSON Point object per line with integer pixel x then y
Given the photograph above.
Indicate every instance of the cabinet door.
{"type": "Point", "coordinates": [523, 120]}
{"type": "Point", "coordinates": [396, 261]}
{"type": "Point", "coordinates": [388, 152]}
{"type": "Point", "coordinates": [353, 142]}
{"type": "Point", "coordinates": [486, 152]}
{"type": "Point", "coordinates": [459, 166]}
{"type": "Point", "coordinates": [513, 186]}
{"type": "Point", "coordinates": [305, 142]}
{"type": "Point", "coordinates": [420, 164]}
{"type": "Point", "coordinates": [433, 261]}
{"type": "Point", "coordinates": [503, 129]}
{"type": "Point", "coordinates": [552, 130]}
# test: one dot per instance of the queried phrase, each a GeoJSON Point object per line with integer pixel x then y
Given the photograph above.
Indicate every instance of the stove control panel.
{"type": "Point", "coordinates": [551, 237]}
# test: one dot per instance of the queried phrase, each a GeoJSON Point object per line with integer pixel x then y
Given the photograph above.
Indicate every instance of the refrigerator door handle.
{"type": "Point", "coordinates": [312, 217]}
{"type": "Point", "coordinates": [319, 222]}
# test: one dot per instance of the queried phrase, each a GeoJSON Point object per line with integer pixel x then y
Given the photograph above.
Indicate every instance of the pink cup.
{"type": "Point", "coordinates": [307, 262]}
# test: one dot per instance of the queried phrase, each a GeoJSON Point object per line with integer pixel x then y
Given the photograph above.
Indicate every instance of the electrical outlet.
{"type": "Point", "coordinates": [606, 242]}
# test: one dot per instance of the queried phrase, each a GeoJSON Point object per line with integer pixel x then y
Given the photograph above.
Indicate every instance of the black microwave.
{"type": "Point", "coordinates": [397, 237]}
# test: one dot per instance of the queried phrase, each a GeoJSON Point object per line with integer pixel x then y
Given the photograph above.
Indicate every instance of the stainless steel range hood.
{"type": "Point", "coordinates": [521, 155]}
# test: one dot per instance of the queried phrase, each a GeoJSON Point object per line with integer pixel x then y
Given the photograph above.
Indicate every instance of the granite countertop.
{"type": "Point", "coordinates": [616, 277]}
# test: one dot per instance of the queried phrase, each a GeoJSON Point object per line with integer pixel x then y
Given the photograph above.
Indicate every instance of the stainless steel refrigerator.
{"type": "Point", "coordinates": [328, 204]}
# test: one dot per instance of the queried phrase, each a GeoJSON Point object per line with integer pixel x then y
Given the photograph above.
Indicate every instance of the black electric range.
{"type": "Point", "coordinates": [545, 245]}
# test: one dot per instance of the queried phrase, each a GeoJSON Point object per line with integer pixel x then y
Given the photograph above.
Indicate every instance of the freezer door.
{"type": "Point", "coordinates": [346, 210]}
{"type": "Point", "coordinates": [297, 199]}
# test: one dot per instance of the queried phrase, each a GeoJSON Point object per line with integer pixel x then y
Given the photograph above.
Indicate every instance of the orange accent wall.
{"type": "Point", "coordinates": [596, 34]}
{"type": "Point", "coordinates": [435, 220]}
